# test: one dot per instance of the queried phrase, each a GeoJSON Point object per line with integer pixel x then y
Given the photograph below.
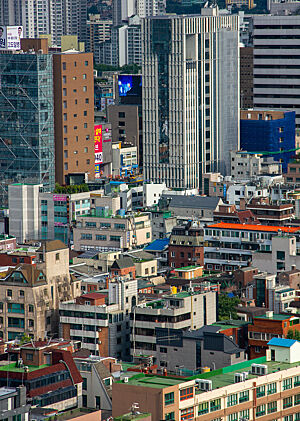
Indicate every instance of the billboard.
{"type": "Point", "coordinates": [10, 37]}
{"type": "Point", "coordinates": [98, 149]}
{"type": "Point", "coordinates": [130, 86]}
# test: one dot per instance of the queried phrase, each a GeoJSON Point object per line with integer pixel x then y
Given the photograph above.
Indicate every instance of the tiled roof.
{"type": "Point", "coordinates": [249, 227]}
{"type": "Point", "coordinates": [94, 295]}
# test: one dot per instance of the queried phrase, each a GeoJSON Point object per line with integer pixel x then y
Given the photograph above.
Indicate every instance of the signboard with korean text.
{"type": "Point", "coordinates": [10, 37]}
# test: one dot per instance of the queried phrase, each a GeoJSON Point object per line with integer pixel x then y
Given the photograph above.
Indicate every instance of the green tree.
{"type": "Point", "coordinates": [227, 307]}
{"type": "Point", "coordinates": [25, 339]}
{"type": "Point", "coordinates": [293, 334]}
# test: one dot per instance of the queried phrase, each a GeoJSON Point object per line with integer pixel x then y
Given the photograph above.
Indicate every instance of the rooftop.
{"type": "Point", "coordinates": [12, 367]}
{"type": "Point", "coordinates": [286, 343]}
{"type": "Point", "coordinates": [279, 317]}
{"type": "Point", "coordinates": [187, 268]}
{"type": "Point", "coordinates": [156, 382]}
{"type": "Point", "coordinates": [248, 227]}
{"type": "Point", "coordinates": [220, 378]}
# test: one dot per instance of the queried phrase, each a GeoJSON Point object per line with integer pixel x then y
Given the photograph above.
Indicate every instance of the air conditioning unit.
{"type": "Point", "coordinates": [205, 385]}
{"type": "Point", "coordinates": [126, 379]}
{"type": "Point", "coordinates": [259, 369]}
{"type": "Point", "coordinates": [238, 377]}
{"type": "Point", "coordinates": [8, 298]}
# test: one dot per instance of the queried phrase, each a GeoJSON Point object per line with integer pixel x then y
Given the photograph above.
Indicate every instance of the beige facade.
{"type": "Point", "coordinates": [30, 295]}
{"type": "Point", "coordinates": [116, 232]}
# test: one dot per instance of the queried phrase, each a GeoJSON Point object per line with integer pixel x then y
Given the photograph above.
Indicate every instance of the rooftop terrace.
{"type": "Point", "coordinates": [220, 378]}
{"type": "Point", "coordinates": [12, 367]}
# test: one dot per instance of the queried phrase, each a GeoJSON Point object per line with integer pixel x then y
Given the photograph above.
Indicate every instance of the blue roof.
{"type": "Point", "coordinates": [287, 343]}
{"type": "Point", "coordinates": [158, 245]}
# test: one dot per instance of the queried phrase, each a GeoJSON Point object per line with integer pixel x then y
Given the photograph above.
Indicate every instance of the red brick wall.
{"type": "Point", "coordinates": [196, 253]}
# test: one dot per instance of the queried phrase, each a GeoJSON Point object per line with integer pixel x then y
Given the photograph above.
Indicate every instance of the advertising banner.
{"type": "Point", "coordinates": [10, 37]}
{"type": "Point", "coordinates": [98, 144]}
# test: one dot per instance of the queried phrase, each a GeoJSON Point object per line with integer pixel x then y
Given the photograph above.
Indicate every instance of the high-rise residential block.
{"type": "Point", "coordinates": [190, 96]}
{"type": "Point", "coordinates": [246, 75]}
{"type": "Point", "coordinates": [150, 8]}
{"type": "Point", "coordinates": [277, 63]}
{"type": "Point", "coordinates": [74, 114]}
{"type": "Point", "coordinates": [26, 120]}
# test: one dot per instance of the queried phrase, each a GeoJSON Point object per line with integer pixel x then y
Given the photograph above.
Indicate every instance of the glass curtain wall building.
{"type": "Point", "coordinates": [26, 121]}
{"type": "Point", "coordinates": [190, 97]}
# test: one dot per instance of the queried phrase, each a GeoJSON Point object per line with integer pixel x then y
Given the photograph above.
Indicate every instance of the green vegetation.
{"type": "Point", "coordinates": [25, 339]}
{"type": "Point", "coordinates": [293, 334]}
{"type": "Point", "coordinates": [128, 68]}
{"type": "Point", "coordinates": [70, 189]}
{"type": "Point", "coordinates": [228, 307]}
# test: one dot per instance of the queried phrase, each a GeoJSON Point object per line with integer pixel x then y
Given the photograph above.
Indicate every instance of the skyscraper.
{"type": "Point", "coordinates": [190, 96]}
{"type": "Point", "coordinates": [26, 120]}
{"type": "Point", "coordinates": [276, 63]}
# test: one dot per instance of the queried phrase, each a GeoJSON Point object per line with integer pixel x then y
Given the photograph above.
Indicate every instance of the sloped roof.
{"type": "Point", "coordinates": [158, 245]}
{"type": "Point", "coordinates": [123, 263]}
{"type": "Point", "coordinates": [249, 227]}
{"type": "Point", "coordinates": [52, 246]}
{"type": "Point", "coordinates": [30, 272]}
{"type": "Point", "coordinates": [286, 343]}
{"type": "Point", "coordinates": [197, 202]}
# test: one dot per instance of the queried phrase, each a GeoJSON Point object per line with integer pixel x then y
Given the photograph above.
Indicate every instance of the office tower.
{"type": "Point", "coordinates": [26, 121]}
{"type": "Point", "coordinates": [74, 114]}
{"type": "Point", "coordinates": [150, 8]}
{"type": "Point", "coordinates": [277, 63]}
{"type": "Point", "coordinates": [246, 77]}
{"type": "Point", "coordinates": [190, 96]}
{"type": "Point", "coordinates": [126, 43]}
{"type": "Point", "coordinates": [122, 10]}
{"type": "Point", "coordinates": [98, 32]}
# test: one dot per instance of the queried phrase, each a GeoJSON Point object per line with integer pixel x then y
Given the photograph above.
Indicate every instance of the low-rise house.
{"type": "Point", "coordinates": [269, 326]}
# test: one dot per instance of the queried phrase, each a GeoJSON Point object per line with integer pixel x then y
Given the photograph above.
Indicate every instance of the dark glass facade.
{"type": "Point", "coordinates": [26, 121]}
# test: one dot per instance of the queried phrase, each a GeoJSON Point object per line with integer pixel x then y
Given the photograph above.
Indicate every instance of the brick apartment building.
{"type": "Point", "coordinates": [266, 327]}
{"type": "Point", "coordinates": [74, 114]}
{"type": "Point", "coordinates": [264, 393]}
{"type": "Point", "coordinates": [49, 373]}
{"type": "Point", "coordinates": [186, 246]}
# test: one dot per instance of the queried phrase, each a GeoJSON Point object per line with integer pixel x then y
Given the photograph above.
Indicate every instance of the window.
{"type": "Point", "coordinates": [244, 396]}
{"type": "Point", "coordinates": [272, 388]}
{"type": "Point", "coordinates": [147, 234]}
{"type": "Point", "coordinates": [287, 384]}
{"type": "Point", "coordinates": [86, 236]}
{"type": "Point", "coordinates": [65, 141]}
{"type": "Point", "coordinates": [170, 416]}
{"type": "Point", "coordinates": [29, 356]}
{"type": "Point", "coordinates": [30, 308]}
{"type": "Point", "coordinates": [64, 65]}
{"type": "Point", "coordinates": [244, 414]}
{"type": "Point", "coordinates": [85, 125]}
{"type": "Point", "coordinates": [64, 80]}
{"type": "Point", "coordinates": [297, 399]}
{"type": "Point", "coordinates": [187, 414]}
{"type": "Point", "coordinates": [86, 150]}
{"type": "Point", "coordinates": [84, 76]}
{"type": "Point", "coordinates": [31, 323]}
{"type": "Point", "coordinates": [186, 393]}
{"type": "Point", "coordinates": [86, 63]}
{"type": "Point", "coordinates": [15, 308]}
{"type": "Point", "coordinates": [169, 398]}
{"type": "Point", "coordinates": [203, 408]}
{"type": "Point", "coordinates": [85, 113]}
{"type": "Point", "coordinates": [260, 391]}
{"type": "Point", "coordinates": [100, 237]}
{"type": "Point", "coordinates": [288, 402]}
{"type": "Point", "coordinates": [87, 100]}
{"type": "Point", "coordinates": [65, 104]}
{"type": "Point", "coordinates": [122, 115]}
{"type": "Point", "coordinates": [272, 407]}
{"type": "Point", "coordinates": [215, 405]}
{"type": "Point", "coordinates": [232, 399]}
{"type": "Point", "coordinates": [114, 238]}
{"type": "Point", "coordinates": [22, 293]}
{"type": "Point", "coordinates": [9, 293]}
{"type": "Point", "coordinates": [84, 383]}
{"type": "Point", "coordinates": [260, 410]}
{"type": "Point", "coordinates": [233, 417]}
{"type": "Point", "coordinates": [57, 257]}
{"type": "Point", "coordinates": [64, 91]}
